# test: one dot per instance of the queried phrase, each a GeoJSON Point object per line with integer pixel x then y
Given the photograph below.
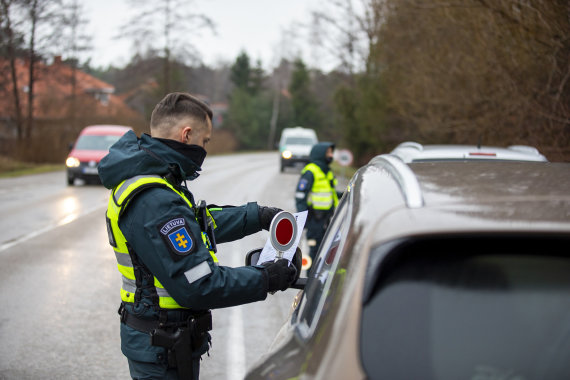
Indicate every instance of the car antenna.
{"type": "Point", "coordinates": [479, 142]}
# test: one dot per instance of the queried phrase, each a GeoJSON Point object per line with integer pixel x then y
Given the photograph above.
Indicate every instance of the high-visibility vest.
{"type": "Point", "coordinates": [118, 203]}
{"type": "Point", "coordinates": [323, 193]}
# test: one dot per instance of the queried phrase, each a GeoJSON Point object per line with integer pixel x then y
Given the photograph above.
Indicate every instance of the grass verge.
{"type": "Point", "coordinates": [12, 168]}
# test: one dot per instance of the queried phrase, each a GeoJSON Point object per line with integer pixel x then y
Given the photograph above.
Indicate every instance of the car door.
{"type": "Point", "coordinates": [298, 351]}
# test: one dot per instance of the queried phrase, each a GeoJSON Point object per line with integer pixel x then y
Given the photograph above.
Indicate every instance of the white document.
{"type": "Point", "coordinates": [270, 254]}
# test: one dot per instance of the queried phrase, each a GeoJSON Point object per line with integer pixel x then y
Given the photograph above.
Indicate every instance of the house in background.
{"type": "Point", "coordinates": [65, 99]}
{"type": "Point", "coordinates": [219, 111]}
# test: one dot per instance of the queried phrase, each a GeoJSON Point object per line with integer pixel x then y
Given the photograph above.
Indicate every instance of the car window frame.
{"type": "Point", "coordinates": [341, 223]}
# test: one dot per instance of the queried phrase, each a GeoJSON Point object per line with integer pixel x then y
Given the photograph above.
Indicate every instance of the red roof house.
{"type": "Point", "coordinates": [56, 97]}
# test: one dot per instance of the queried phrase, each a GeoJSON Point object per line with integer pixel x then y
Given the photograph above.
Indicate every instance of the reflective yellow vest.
{"type": "Point", "coordinates": [323, 193]}
{"type": "Point", "coordinates": [118, 202]}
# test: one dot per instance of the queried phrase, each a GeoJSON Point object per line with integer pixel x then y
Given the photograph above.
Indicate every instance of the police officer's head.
{"type": "Point", "coordinates": [182, 117]}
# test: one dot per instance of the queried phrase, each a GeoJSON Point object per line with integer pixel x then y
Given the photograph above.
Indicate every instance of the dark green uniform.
{"type": "Point", "coordinates": [170, 253]}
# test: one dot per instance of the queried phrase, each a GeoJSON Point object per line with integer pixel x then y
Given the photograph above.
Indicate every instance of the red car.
{"type": "Point", "coordinates": [91, 146]}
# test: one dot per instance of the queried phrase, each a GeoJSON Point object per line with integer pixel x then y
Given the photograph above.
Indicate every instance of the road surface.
{"type": "Point", "coordinates": [59, 286]}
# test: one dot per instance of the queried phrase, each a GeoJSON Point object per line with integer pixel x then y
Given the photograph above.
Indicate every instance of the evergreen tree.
{"type": "Point", "coordinates": [249, 108]}
{"type": "Point", "coordinates": [241, 72]}
{"type": "Point", "coordinates": [305, 107]}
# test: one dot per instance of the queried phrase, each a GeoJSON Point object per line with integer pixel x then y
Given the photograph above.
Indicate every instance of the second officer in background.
{"type": "Point", "coordinates": [316, 192]}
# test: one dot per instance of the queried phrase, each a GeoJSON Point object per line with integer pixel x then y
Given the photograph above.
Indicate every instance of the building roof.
{"type": "Point", "coordinates": [53, 89]}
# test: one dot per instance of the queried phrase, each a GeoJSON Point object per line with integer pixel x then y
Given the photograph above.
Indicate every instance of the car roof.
{"type": "Point", "coordinates": [410, 151]}
{"type": "Point", "coordinates": [105, 129]}
{"type": "Point", "coordinates": [392, 199]}
{"type": "Point", "coordinates": [298, 131]}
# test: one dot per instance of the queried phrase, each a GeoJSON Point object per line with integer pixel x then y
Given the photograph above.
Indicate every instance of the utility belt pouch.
{"type": "Point", "coordinates": [178, 345]}
{"type": "Point", "coordinates": [199, 327]}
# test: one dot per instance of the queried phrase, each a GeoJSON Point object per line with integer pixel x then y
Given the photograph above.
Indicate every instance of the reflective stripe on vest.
{"type": "Point", "coordinates": [323, 194]}
{"type": "Point", "coordinates": [118, 202]}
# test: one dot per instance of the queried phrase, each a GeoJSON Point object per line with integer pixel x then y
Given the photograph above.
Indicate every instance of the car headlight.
{"type": "Point", "coordinates": [286, 154]}
{"type": "Point", "coordinates": [72, 162]}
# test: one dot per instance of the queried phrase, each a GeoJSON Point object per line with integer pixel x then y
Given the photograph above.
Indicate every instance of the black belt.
{"type": "Point", "coordinates": [201, 322]}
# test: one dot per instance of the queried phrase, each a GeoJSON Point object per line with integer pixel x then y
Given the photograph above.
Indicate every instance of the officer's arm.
{"type": "Point", "coordinates": [302, 191]}
{"type": "Point", "coordinates": [163, 231]}
{"type": "Point", "coordinates": [234, 223]}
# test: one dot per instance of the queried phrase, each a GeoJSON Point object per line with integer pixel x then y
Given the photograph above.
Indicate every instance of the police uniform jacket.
{"type": "Point", "coordinates": [305, 185]}
{"type": "Point", "coordinates": [193, 279]}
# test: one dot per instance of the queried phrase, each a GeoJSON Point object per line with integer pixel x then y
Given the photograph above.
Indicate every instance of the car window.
{"type": "Point", "coordinates": [323, 270]}
{"type": "Point", "coordinates": [295, 140]}
{"type": "Point", "coordinates": [501, 314]}
{"type": "Point", "coordinates": [96, 142]}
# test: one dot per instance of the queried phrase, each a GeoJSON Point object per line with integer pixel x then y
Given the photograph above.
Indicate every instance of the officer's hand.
{"type": "Point", "coordinates": [266, 215]}
{"type": "Point", "coordinates": [280, 274]}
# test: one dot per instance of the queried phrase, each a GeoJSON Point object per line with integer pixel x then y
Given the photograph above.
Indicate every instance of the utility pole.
{"type": "Point", "coordinates": [274, 112]}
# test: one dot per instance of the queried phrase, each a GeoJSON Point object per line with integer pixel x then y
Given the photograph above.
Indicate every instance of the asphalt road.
{"type": "Point", "coordinates": [59, 286]}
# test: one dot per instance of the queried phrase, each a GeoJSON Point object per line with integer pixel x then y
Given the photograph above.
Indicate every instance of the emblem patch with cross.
{"type": "Point", "coordinates": [181, 240]}
{"type": "Point", "coordinates": [178, 237]}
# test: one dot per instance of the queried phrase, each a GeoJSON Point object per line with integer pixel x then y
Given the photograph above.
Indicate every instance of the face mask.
{"type": "Point", "coordinates": [194, 152]}
{"type": "Point", "coordinates": [328, 160]}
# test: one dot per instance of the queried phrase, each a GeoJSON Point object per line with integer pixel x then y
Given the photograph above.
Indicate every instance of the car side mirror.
{"type": "Point", "coordinates": [252, 258]}
{"type": "Point", "coordinates": [70, 147]}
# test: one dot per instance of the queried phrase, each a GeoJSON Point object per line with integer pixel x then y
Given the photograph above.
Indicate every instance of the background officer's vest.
{"type": "Point", "coordinates": [118, 202]}
{"type": "Point", "coordinates": [323, 193]}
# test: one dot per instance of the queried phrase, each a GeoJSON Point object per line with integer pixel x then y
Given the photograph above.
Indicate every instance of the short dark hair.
{"type": "Point", "coordinates": [176, 106]}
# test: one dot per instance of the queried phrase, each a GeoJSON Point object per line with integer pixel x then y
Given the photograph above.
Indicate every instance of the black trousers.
{"type": "Point", "coordinates": [316, 231]}
{"type": "Point", "coordinates": [155, 371]}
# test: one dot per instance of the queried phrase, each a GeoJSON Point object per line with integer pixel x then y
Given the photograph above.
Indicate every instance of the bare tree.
{"type": "Point", "coordinates": [345, 29]}
{"type": "Point", "coordinates": [460, 71]}
{"type": "Point", "coordinates": [10, 45]}
{"type": "Point", "coordinates": [40, 16]}
{"type": "Point", "coordinates": [75, 41]}
{"type": "Point", "coordinates": [167, 26]}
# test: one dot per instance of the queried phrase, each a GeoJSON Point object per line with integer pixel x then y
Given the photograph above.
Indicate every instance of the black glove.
{"type": "Point", "coordinates": [266, 215]}
{"type": "Point", "coordinates": [280, 275]}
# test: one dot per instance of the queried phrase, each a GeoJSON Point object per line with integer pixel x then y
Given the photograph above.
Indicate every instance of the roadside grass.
{"type": "Point", "coordinates": [12, 168]}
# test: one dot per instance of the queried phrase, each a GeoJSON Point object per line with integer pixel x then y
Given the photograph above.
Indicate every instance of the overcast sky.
{"type": "Point", "coordinates": [256, 26]}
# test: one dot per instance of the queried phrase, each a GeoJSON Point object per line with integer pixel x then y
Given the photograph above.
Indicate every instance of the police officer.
{"type": "Point", "coordinates": [165, 243]}
{"type": "Point", "coordinates": [316, 192]}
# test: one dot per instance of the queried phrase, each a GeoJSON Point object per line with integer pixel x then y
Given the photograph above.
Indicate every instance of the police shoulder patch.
{"type": "Point", "coordinates": [302, 184]}
{"type": "Point", "coordinates": [178, 237]}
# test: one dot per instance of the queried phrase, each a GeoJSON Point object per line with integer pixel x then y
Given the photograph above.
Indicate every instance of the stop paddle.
{"type": "Point", "coordinates": [282, 232]}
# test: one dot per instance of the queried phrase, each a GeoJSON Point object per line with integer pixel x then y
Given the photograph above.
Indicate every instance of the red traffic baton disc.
{"type": "Point", "coordinates": [282, 231]}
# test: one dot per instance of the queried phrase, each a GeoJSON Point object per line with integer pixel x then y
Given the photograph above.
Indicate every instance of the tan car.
{"type": "Point", "coordinates": [447, 270]}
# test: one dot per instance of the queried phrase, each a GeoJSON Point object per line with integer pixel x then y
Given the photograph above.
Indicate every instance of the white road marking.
{"type": "Point", "coordinates": [236, 346]}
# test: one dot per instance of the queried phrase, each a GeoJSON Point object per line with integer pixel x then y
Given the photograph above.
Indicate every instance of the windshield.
{"type": "Point", "coordinates": [96, 142]}
{"type": "Point", "coordinates": [295, 140]}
